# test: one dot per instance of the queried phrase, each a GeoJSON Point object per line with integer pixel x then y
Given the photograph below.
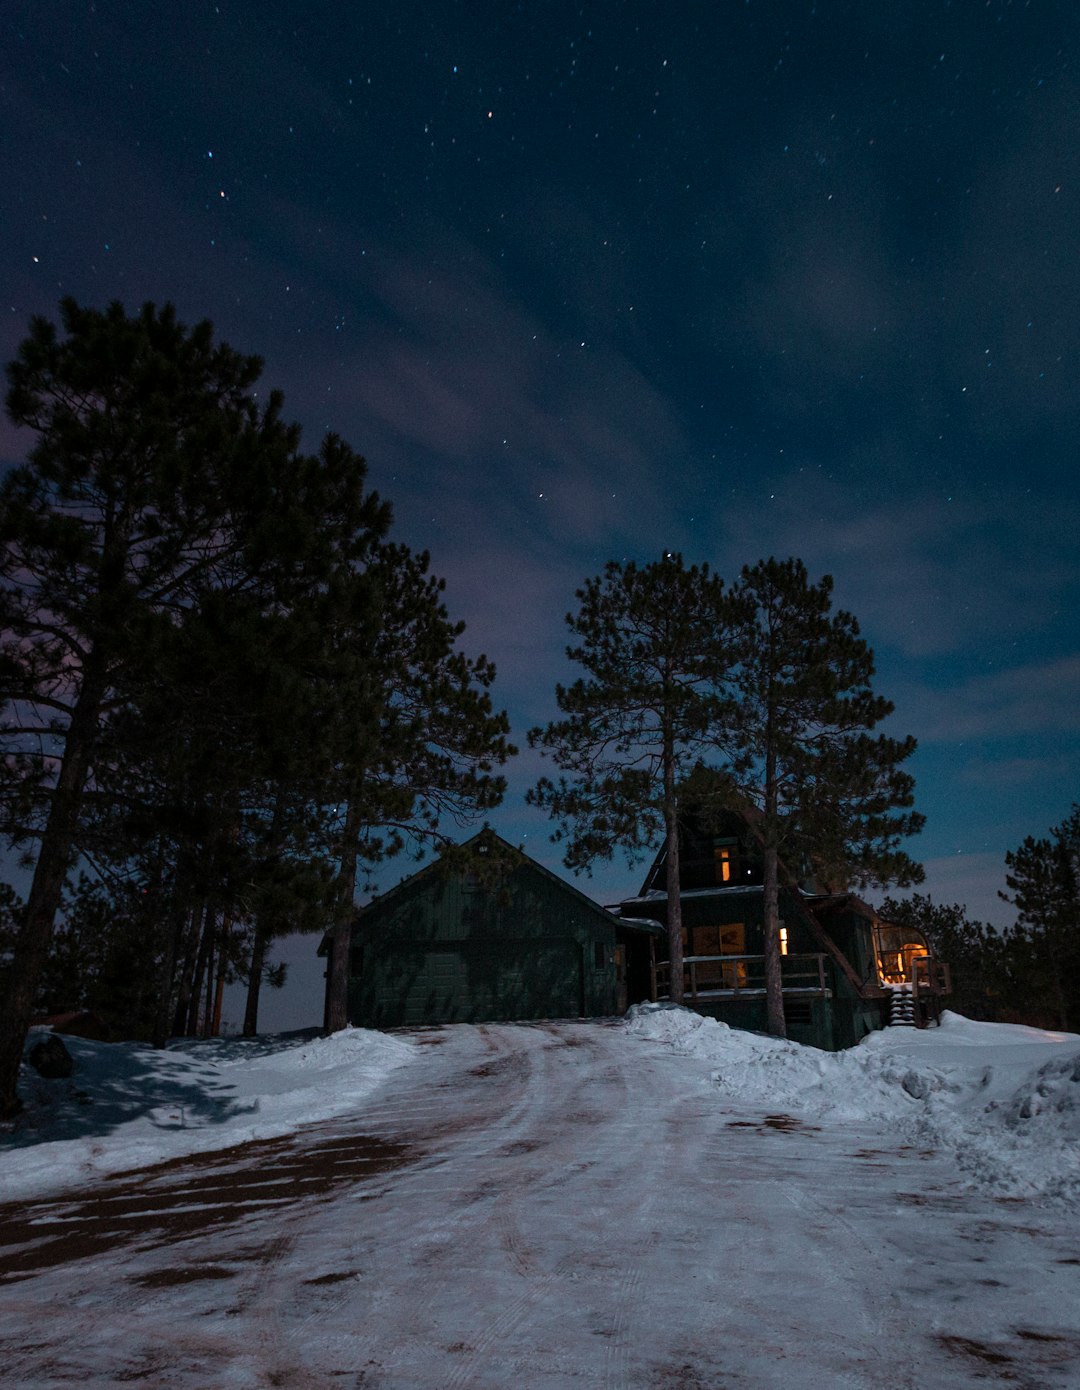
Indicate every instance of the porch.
{"type": "Point", "coordinates": [736, 977]}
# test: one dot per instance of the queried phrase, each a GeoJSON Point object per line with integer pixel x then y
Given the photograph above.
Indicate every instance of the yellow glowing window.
{"type": "Point", "coordinates": [783, 941]}
{"type": "Point", "coordinates": [724, 859]}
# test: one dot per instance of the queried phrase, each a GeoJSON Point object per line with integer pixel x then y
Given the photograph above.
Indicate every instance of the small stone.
{"type": "Point", "coordinates": [51, 1059]}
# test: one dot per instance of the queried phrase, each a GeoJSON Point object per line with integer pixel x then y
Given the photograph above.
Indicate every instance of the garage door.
{"type": "Point", "coordinates": [492, 981]}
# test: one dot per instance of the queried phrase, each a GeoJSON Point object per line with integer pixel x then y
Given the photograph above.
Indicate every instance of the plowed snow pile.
{"type": "Point", "coordinates": [1005, 1100]}
{"type": "Point", "coordinates": [128, 1104]}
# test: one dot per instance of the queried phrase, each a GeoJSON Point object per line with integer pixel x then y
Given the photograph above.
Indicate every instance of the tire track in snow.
{"type": "Point", "coordinates": [489, 1070]}
{"type": "Point", "coordinates": [581, 1111]}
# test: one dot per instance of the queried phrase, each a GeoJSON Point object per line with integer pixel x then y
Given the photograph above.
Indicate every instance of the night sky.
{"type": "Point", "coordinates": [594, 282]}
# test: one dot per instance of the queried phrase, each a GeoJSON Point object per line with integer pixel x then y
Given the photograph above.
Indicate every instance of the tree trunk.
{"type": "Point", "coordinates": [50, 874]}
{"type": "Point", "coordinates": [208, 1008]}
{"type": "Point", "coordinates": [1056, 974]}
{"type": "Point", "coordinates": [260, 944]}
{"type": "Point", "coordinates": [337, 992]}
{"type": "Point", "coordinates": [193, 939]}
{"type": "Point", "coordinates": [671, 882]}
{"type": "Point", "coordinates": [259, 948]}
{"type": "Point", "coordinates": [165, 1005]}
{"type": "Point", "coordinates": [191, 1023]}
{"type": "Point", "coordinates": [774, 987]}
{"type": "Point", "coordinates": [219, 993]}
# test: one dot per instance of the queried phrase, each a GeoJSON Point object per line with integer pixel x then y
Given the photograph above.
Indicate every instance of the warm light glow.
{"type": "Point", "coordinates": [899, 951]}
{"type": "Point", "coordinates": [783, 941]}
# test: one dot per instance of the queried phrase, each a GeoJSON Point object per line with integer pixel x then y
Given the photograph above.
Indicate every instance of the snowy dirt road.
{"type": "Point", "coordinates": [543, 1206]}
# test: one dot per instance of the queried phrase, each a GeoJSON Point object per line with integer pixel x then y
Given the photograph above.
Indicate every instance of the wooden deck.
{"type": "Point", "coordinates": [742, 977]}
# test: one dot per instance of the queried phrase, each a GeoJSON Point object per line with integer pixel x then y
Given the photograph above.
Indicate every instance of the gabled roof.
{"type": "Point", "coordinates": [517, 855]}
{"type": "Point", "coordinates": [739, 822]}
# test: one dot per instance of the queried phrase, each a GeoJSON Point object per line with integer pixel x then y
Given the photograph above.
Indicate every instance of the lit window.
{"type": "Point", "coordinates": [724, 862]}
{"type": "Point", "coordinates": [783, 941]}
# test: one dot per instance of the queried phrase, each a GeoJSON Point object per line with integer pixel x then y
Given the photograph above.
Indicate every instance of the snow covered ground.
{"type": "Point", "coordinates": [661, 1202]}
{"type": "Point", "coordinates": [128, 1105]}
{"type": "Point", "coordinates": [1002, 1100]}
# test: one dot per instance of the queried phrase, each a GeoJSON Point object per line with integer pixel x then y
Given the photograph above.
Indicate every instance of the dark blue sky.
{"type": "Point", "coordinates": [595, 281]}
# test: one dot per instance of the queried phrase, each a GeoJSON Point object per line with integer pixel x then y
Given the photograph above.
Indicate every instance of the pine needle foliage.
{"type": "Point", "coordinates": [655, 645]}
{"type": "Point", "coordinates": [829, 793]}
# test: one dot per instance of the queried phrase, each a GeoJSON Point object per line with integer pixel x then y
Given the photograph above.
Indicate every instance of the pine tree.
{"type": "Point", "coordinates": [827, 792]}
{"type": "Point", "coordinates": [655, 644]}
{"type": "Point", "coordinates": [155, 480]}
{"type": "Point", "coordinates": [414, 736]}
{"type": "Point", "coordinates": [1044, 885]}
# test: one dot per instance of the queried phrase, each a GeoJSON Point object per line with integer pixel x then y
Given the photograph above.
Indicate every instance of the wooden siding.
{"type": "Point", "coordinates": [442, 949]}
{"type": "Point", "coordinates": [834, 1021]}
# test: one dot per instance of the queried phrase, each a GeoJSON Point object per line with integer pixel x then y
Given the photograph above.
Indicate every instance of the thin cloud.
{"type": "Point", "coordinates": [925, 573]}
{"type": "Point", "coordinates": [1041, 698]}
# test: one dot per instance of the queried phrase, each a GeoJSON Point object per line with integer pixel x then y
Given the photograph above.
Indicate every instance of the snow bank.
{"type": "Point", "coordinates": [1004, 1100]}
{"type": "Point", "coordinates": [128, 1105]}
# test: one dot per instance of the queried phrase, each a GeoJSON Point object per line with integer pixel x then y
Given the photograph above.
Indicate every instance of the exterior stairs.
{"type": "Point", "coordinates": [901, 1007]}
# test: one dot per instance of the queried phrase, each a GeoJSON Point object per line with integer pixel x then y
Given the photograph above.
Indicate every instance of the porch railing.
{"type": "Point", "coordinates": [930, 976]}
{"type": "Point", "coordinates": [737, 977]}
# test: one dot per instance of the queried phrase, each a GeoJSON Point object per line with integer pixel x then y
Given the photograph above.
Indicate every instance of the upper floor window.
{"type": "Point", "coordinates": [725, 860]}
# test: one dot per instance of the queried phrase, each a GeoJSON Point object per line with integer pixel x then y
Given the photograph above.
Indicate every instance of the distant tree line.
{"type": "Point", "coordinates": [224, 689]}
{"type": "Point", "coordinates": [1026, 973]}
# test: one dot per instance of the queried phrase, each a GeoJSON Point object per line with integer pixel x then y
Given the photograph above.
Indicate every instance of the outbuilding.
{"type": "Point", "coordinates": [492, 936]}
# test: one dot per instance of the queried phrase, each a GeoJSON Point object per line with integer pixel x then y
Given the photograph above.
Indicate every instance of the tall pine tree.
{"type": "Point", "coordinates": [413, 734]}
{"type": "Point", "coordinates": [829, 794]}
{"type": "Point", "coordinates": [154, 479]}
{"type": "Point", "coordinates": [655, 644]}
{"type": "Point", "coordinates": [1043, 879]}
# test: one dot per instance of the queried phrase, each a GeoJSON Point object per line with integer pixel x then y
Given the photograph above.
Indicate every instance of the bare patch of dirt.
{"type": "Point", "coordinates": [185, 1197]}
{"type": "Point", "coordinates": [939, 1200]}
{"type": "Point", "coordinates": [1033, 1348]}
{"type": "Point", "coordinates": [509, 1064]}
{"type": "Point", "coordinates": [182, 1274]}
{"type": "Point", "coordinates": [982, 1352]}
{"type": "Point", "coordinates": [789, 1123]}
{"type": "Point", "coordinates": [337, 1278]}
{"type": "Point", "coordinates": [685, 1377]}
{"type": "Point", "coordinates": [989, 1229]}
{"type": "Point", "coordinates": [151, 1370]}
{"type": "Point", "coordinates": [786, 1124]}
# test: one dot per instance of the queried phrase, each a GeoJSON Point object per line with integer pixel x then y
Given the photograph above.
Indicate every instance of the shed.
{"type": "Point", "coordinates": [449, 945]}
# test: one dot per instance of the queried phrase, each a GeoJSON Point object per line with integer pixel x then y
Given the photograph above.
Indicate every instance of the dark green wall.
{"type": "Point", "coordinates": [440, 949]}
{"type": "Point", "coordinates": [832, 1024]}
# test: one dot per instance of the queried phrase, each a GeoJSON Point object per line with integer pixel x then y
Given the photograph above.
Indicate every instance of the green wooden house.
{"type": "Point", "coordinates": [463, 945]}
{"type": "Point", "coordinates": [845, 972]}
